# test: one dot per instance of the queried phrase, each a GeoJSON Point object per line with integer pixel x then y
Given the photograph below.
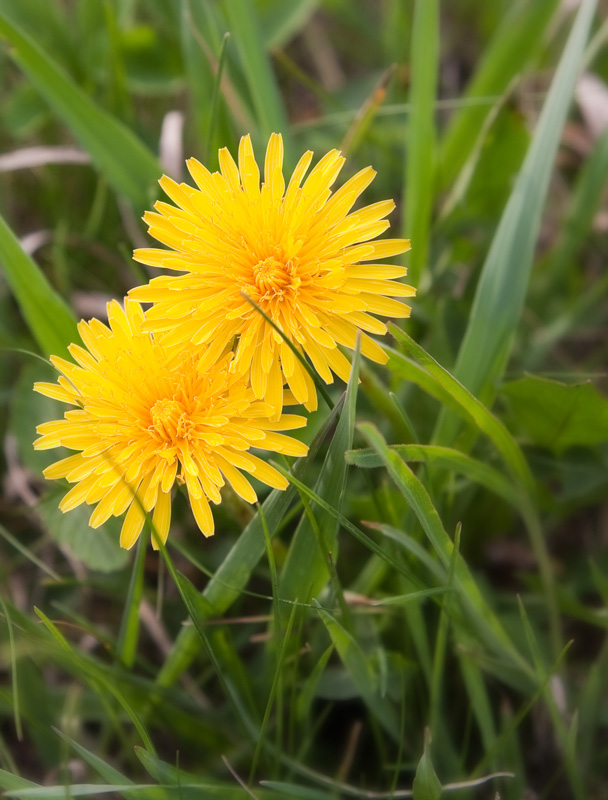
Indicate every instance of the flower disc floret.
{"type": "Point", "coordinates": [148, 414]}
{"type": "Point", "coordinates": [298, 251]}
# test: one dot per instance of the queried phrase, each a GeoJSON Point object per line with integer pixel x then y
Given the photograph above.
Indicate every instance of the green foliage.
{"type": "Point", "coordinates": [420, 576]}
{"type": "Point", "coordinates": [557, 415]}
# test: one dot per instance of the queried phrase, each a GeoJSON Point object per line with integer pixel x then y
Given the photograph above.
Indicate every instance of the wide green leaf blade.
{"type": "Point", "coordinates": [127, 164]}
{"type": "Point", "coordinates": [558, 415]}
{"type": "Point", "coordinates": [48, 317]}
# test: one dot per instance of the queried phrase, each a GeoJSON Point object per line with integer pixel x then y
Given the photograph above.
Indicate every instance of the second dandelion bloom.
{"type": "Point", "coordinates": [148, 414]}
{"type": "Point", "coordinates": [296, 249]}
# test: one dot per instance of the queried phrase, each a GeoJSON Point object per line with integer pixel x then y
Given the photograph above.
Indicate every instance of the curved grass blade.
{"type": "Point", "coordinates": [472, 408]}
{"type": "Point", "coordinates": [48, 317]}
{"type": "Point", "coordinates": [447, 457]}
{"type": "Point", "coordinates": [125, 162]}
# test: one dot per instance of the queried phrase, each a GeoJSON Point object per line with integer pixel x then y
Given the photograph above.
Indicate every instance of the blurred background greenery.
{"type": "Point", "coordinates": [488, 125]}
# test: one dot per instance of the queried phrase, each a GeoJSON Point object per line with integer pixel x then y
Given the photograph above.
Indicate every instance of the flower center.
{"type": "Point", "coordinates": [273, 277]}
{"type": "Point", "coordinates": [170, 420]}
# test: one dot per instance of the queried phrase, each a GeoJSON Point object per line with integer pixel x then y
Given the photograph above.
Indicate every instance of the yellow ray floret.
{"type": "Point", "coordinates": [146, 414]}
{"type": "Point", "coordinates": [297, 250]}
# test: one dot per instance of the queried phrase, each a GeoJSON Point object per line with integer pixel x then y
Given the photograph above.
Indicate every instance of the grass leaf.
{"type": "Point", "coordinates": [420, 162]}
{"type": "Point", "coordinates": [49, 319]}
{"type": "Point", "coordinates": [306, 568]}
{"type": "Point", "coordinates": [126, 163]}
{"type": "Point", "coordinates": [503, 282]}
{"type": "Point", "coordinates": [234, 572]}
{"type": "Point", "coordinates": [516, 41]}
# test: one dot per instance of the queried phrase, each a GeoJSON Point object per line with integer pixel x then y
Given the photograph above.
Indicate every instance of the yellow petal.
{"type": "Point", "coordinates": [202, 515]}
{"type": "Point", "coordinates": [161, 519]}
{"type": "Point", "coordinates": [131, 527]}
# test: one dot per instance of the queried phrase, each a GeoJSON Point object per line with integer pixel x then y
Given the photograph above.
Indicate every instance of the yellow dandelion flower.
{"type": "Point", "coordinates": [298, 251]}
{"type": "Point", "coordinates": [147, 415]}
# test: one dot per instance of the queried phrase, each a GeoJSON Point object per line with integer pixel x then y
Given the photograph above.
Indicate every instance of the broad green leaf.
{"type": "Point", "coordinates": [306, 568]}
{"type": "Point", "coordinates": [558, 415]}
{"type": "Point", "coordinates": [420, 162]}
{"type": "Point", "coordinates": [126, 163]}
{"type": "Point", "coordinates": [515, 43]}
{"type": "Point", "coordinates": [98, 549]}
{"type": "Point", "coordinates": [360, 670]}
{"type": "Point", "coordinates": [234, 572]}
{"type": "Point", "coordinates": [503, 282]}
{"type": "Point", "coordinates": [48, 317]}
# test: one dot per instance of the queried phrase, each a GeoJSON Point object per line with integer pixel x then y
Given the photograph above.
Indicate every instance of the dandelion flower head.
{"type": "Point", "coordinates": [297, 250]}
{"type": "Point", "coordinates": [148, 415]}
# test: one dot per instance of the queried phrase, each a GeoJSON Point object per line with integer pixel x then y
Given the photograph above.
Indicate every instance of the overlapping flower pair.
{"type": "Point", "coordinates": [182, 392]}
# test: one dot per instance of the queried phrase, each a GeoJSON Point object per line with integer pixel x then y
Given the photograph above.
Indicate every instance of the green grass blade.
{"type": "Point", "coordinates": [352, 529]}
{"type": "Point", "coordinates": [48, 317]}
{"type": "Point", "coordinates": [208, 144]}
{"type": "Point", "coordinates": [360, 670]}
{"type": "Point", "coordinates": [104, 770]}
{"type": "Point", "coordinates": [488, 628]}
{"type": "Point", "coordinates": [586, 199]}
{"type": "Point", "coordinates": [517, 40]}
{"type": "Point", "coordinates": [10, 782]}
{"type": "Point", "coordinates": [278, 672]}
{"type": "Point", "coordinates": [14, 673]}
{"type": "Point", "coordinates": [477, 471]}
{"type": "Point", "coordinates": [503, 283]}
{"type": "Point", "coordinates": [126, 647]}
{"type": "Point", "coordinates": [420, 162]}
{"type": "Point", "coordinates": [490, 425]}
{"type": "Point", "coordinates": [234, 572]}
{"type": "Point", "coordinates": [426, 785]}
{"type": "Point", "coordinates": [128, 166]}
{"type": "Point", "coordinates": [306, 569]}
{"type": "Point", "coordinates": [267, 102]}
